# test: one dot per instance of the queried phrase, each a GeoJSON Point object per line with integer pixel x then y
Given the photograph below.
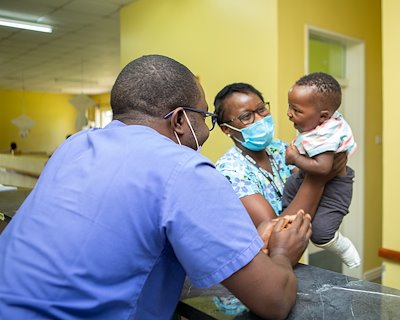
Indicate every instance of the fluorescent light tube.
{"type": "Point", "coordinates": [25, 25]}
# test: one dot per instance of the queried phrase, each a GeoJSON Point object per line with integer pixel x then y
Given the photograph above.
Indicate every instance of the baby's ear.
{"type": "Point", "coordinates": [324, 115]}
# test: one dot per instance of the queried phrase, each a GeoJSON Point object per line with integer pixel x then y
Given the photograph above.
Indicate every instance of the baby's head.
{"type": "Point", "coordinates": [327, 91]}
{"type": "Point", "coordinates": [313, 99]}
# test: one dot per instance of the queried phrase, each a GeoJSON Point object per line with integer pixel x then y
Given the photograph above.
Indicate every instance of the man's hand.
{"type": "Point", "coordinates": [292, 153]}
{"type": "Point", "coordinates": [265, 228]}
{"type": "Point", "coordinates": [290, 239]}
{"type": "Point", "coordinates": [262, 283]}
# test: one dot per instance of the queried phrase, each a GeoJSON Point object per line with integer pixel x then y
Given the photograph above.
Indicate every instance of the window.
{"type": "Point", "coordinates": [327, 56]}
{"type": "Point", "coordinates": [103, 117]}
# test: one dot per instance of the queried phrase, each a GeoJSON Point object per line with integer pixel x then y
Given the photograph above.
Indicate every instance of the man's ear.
{"type": "Point", "coordinates": [324, 115]}
{"type": "Point", "coordinates": [177, 120]}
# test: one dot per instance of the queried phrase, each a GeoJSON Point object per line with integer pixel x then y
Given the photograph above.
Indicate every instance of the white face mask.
{"type": "Point", "coordinates": [191, 129]}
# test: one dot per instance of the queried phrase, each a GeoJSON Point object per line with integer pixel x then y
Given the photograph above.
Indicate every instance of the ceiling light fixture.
{"type": "Point", "coordinates": [25, 25]}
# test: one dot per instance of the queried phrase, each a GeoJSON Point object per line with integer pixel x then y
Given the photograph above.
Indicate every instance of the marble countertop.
{"type": "Point", "coordinates": [11, 200]}
{"type": "Point", "coordinates": [322, 294]}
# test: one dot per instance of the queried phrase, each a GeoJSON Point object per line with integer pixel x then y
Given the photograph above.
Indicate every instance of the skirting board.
{"type": "Point", "coordinates": [374, 274]}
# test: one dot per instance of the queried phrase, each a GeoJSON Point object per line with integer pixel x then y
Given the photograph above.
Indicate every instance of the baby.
{"type": "Point", "coordinates": [322, 131]}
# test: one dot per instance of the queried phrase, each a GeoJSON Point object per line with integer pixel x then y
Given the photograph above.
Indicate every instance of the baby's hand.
{"type": "Point", "coordinates": [292, 153]}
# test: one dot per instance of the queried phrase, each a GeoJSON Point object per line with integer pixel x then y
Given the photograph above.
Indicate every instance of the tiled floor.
{"type": "Point", "coordinates": [329, 261]}
{"type": "Point", "coordinates": [326, 260]}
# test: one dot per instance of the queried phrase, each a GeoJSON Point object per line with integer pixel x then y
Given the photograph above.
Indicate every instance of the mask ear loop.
{"type": "Point", "coordinates": [191, 129]}
{"type": "Point", "coordinates": [177, 138]}
{"type": "Point", "coordinates": [230, 127]}
{"type": "Point", "coordinates": [233, 128]}
{"type": "Point", "coordinates": [176, 135]}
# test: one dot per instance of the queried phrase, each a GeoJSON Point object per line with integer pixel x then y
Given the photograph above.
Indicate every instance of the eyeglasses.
{"type": "Point", "coordinates": [210, 123]}
{"type": "Point", "coordinates": [247, 117]}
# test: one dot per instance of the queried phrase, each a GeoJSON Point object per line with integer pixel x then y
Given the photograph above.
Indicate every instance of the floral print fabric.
{"type": "Point", "coordinates": [247, 179]}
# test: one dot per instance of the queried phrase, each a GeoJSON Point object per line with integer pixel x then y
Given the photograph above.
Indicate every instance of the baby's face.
{"type": "Point", "coordinates": [303, 111]}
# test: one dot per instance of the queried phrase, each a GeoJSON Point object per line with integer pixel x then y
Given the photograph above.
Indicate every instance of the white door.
{"type": "Point", "coordinates": [345, 57]}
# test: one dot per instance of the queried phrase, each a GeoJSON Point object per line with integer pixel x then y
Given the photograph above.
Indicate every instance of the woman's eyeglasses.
{"type": "Point", "coordinates": [210, 123]}
{"type": "Point", "coordinates": [247, 117]}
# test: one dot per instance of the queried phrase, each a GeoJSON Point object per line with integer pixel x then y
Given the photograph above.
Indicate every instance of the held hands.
{"type": "Point", "coordinates": [287, 235]}
{"type": "Point", "coordinates": [265, 228]}
{"type": "Point", "coordinates": [292, 153]}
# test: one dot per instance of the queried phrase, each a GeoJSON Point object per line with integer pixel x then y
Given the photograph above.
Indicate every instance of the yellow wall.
{"type": "Point", "coordinates": [255, 41]}
{"type": "Point", "coordinates": [54, 119]}
{"type": "Point", "coordinates": [391, 156]}
{"type": "Point", "coordinates": [102, 103]}
{"type": "Point", "coordinates": [262, 42]}
{"type": "Point", "coordinates": [358, 19]}
{"type": "Point", "coordinates": [221, 41]}
{"type": "Point", "coordinates": [53, 115]}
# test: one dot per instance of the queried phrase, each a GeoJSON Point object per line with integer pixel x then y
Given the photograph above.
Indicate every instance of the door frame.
{"type": "Point", "coordinates": [353, 108]}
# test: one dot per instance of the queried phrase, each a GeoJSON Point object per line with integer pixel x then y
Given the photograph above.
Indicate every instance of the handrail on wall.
{"type": "Point", "coordinates": [389, 254]}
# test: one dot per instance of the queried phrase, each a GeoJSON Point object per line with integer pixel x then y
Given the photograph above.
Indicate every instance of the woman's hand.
{"type": "Point", "coordinates": [264, 230]}
{"type": "Point", "coordinates": [338, 169]}
{"type": "Point", "coordinates": [339, 164]}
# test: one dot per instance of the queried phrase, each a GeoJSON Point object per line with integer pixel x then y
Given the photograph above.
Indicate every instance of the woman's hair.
{"type": "Point", "coordinates": [227, 91]}
{"type": "Point", "coordinates": [153, 85]}
{"type": "Point", "coordinates": [328, 94]}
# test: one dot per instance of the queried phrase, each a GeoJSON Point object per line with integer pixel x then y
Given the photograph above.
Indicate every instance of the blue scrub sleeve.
{"type": "Point", "coordinates": [207, 225]}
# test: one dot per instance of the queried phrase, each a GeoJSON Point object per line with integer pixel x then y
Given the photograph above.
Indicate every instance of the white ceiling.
{"type": "Point", "coordinates": [81, 55]}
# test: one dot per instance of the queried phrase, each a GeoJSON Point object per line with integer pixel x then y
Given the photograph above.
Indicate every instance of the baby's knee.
{"type": "Point", "coordinates": [321, 236]}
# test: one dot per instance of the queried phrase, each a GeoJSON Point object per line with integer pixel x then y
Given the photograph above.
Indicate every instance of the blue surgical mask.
{"type": "Point", "coordinates": [258, 135]}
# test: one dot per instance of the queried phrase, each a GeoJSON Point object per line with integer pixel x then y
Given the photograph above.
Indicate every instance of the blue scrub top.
{"type": "Point", "coordinates": [117, 219]}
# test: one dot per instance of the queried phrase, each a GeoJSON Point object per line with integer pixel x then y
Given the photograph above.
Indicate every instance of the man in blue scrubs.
{"type": "Point", "coordinates": [120, 215]}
